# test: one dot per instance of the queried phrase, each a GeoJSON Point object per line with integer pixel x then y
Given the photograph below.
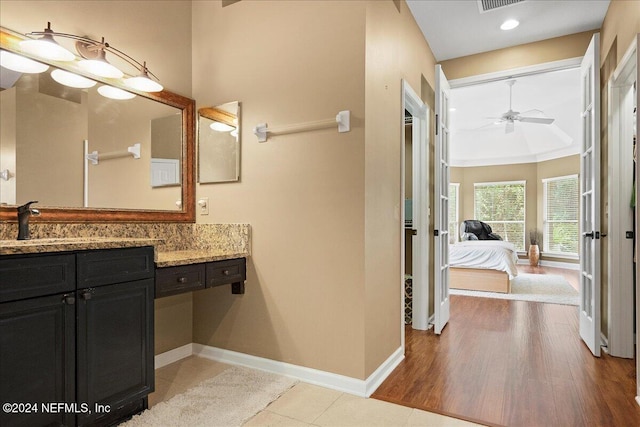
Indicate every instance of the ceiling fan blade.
{"type": "Point", "coordinates": [539, 120]}
{"type": "Point", "coordinates": [509, 127]}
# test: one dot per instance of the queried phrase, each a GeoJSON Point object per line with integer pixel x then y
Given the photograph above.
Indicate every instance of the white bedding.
{"type": "Point", "coordinates": [488, 254]}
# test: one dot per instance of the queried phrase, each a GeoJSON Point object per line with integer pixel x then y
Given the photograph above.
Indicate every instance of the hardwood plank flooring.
{"type": "Point", "coordinates": [513, 363]}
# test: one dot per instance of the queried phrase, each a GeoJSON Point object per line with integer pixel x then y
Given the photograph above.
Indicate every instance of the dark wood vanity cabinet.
{"type": "Point", "coordinates": [86, 341]}
{"type": "Point", "coordinates": [192, 277]}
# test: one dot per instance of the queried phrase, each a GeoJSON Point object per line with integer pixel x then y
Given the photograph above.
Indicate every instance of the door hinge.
{"type": "Point", "coordinates": [436, 233]}
{"type": "Point", "coordinates": [628, 234]}
{"type": "Point", "coordinates": [436, 124]}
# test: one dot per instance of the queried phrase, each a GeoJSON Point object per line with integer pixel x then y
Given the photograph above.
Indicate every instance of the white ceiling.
{"type": "Point", "coordinates": [457, 28]}
{"type": "Point", "coordinates": [478, 141]}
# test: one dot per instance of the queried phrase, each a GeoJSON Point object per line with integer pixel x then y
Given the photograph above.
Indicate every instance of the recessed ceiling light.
{"type": "Point", "coordinates": [509, 24]}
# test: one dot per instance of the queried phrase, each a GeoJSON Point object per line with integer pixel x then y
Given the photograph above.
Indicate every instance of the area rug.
{"type": "Point", "coordinates": [226, 400]}
{"type": "Point", "coordinates": [549, 288]}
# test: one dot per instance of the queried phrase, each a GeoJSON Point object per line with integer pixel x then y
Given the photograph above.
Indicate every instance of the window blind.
{"type": "Point", "coordinates": [502, 206]}
{"type": "Point", "coordinates": [561, 203]}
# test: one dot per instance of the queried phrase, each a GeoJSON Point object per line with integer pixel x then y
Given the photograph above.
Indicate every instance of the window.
{"type": "Point", "coordinates": [454, 191]}
{"type": "Point", "coordinates": [560, 215]}
{"type": "Point", "coordinates": [502, 206]}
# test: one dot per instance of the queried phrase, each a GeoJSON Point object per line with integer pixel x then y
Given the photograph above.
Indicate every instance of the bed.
{"type": "Point", "coordinates": [482, 265]}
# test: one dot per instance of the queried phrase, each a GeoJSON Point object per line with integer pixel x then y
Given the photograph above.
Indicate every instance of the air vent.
{"type": "Point", "coordinates": [489, 5]}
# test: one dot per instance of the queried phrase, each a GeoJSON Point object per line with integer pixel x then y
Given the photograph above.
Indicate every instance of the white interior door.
{"type": "Point", "coordinates": [441, 199]}
{"type": "Point", "coordinates": [420, 208]}
{"type": "Point", "coordinates": [590, 199]}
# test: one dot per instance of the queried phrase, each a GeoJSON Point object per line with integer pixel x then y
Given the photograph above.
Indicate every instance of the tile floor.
{"type": "Point", "coordinates": [302, 405]}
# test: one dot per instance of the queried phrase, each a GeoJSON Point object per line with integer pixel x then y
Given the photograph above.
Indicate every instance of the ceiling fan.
{"type": "Point", "coordinates": [512, 116]}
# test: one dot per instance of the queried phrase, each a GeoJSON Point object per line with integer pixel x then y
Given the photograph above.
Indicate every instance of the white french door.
{"type": "Point", "coordinates": [590, 198]}
{"type": "Point", "coordinates": [441, 199]}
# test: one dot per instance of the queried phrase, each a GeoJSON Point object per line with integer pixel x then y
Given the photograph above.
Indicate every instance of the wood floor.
{"type": "Point", "coordinates": [513, 363]}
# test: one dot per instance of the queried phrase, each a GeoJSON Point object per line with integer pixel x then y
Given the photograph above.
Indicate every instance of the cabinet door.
{"type": "Point", "coordinates": [115, 348]}
{"type": "Point", "coordinates": [37, 359]}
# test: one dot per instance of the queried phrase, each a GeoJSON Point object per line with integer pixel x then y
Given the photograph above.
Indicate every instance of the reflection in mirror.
{"type": "Point", "coordinates": [43, 145]}
{"type": "Point", "coordinates": [219, 143]}
{"type": "Point", "coordinates": [87, 157]}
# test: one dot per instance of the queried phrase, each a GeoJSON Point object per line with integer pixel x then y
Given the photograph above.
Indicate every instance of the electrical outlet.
{"type": "Point", "coordinates": [203, 205]}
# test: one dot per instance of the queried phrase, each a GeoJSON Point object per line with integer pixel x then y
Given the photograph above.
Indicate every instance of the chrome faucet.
{"type": "Point", "coordinates": [24, 212]}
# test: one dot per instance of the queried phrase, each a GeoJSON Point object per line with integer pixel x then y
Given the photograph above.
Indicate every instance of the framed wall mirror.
{"type": "Point", "coordinates": [219, 143]}
{"type": "Point", "coordinates": [88, 158]}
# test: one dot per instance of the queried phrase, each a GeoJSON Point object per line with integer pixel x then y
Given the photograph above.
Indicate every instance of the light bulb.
{"type": "Point", "coordinates": [221, 127]}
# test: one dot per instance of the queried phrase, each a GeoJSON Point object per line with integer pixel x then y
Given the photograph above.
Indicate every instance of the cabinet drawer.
{"type": "Point", "coordinates": [225, 272]}
{"type": "Point", "coordinates": [175, 280]}
{"type": "Point", "coordinates": [105, 267]}
{"type": "Point", "coordinates": [38, 275]}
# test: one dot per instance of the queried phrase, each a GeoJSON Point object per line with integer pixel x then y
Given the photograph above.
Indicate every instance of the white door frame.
{"type": "Point", "coordinates": [620, 220]}
{"type": "Point", "coordinates": [420, 208]}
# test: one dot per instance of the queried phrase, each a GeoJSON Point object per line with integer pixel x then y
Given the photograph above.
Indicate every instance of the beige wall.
{"type": "Point", "coordinates": [324, 276]}
{"type": "Point", "coordinates": [303, 193]}
{"type": "Point", "coordinates": [522, 172]}
{"type": "Point", "coordinates": [619, 29]}
{"type": "Point", "coordinates": [127, 26]}
{"type": "Point", "coordinates": [531, 173]}
{"type": "Point", "coordinates": [571, 46]}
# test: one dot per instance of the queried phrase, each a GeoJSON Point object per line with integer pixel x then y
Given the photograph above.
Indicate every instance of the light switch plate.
{"type": "Point", "coordinates": [203, 205]}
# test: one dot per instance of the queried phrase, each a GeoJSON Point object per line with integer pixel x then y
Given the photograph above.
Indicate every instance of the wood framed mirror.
{"type": "Point", "coordinates": [133, 177]}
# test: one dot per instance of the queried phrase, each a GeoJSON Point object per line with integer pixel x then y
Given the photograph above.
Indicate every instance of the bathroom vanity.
{"type": "Point", "coordinates": [77, 322]}
{"type": "Point", "coordinates": [76, 336]}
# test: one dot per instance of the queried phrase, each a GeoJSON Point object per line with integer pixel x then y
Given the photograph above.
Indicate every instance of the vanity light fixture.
{"type": "Point", "coordinates": [21, 64]}
{"type": "Point", "coordinates": [509, 24]}
{"type": "Point", "coordinates": [72, 80]}
{"type": "Point", "coordinates": [94, 59]}
{"type": "Point", "coordinates": [46, 47]}
{"type": "Point", "coordinates": [143, 82]}
{"type": "Point", "coordinates": [221, 127]}
{"type": "Point", "coordinates": [99, 66]}
{"type": "Point", "coordinates": [115, 93]}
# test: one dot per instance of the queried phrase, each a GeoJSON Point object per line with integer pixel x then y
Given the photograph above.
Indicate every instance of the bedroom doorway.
{"type": "Point", "coordinates": [415, 207]}
{"type": "Point", "coordinates": [588, 221]}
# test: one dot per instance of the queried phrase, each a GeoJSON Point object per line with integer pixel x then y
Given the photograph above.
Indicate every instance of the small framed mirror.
{"type": "Point", "coordinates": [219, 143]}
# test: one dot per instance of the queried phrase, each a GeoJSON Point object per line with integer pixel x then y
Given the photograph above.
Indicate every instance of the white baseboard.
{"type": "Point", "coordinates": [362, 388]}
{"type": "Point", "coordinates": [168, 357]}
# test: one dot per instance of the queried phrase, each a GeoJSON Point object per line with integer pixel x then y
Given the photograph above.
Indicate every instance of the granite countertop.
{"type": "Point", "coordinates": [175, 258]}
{"type": "Point", "coordinates": [17, 247]}
{"type": "Point", "coordinates": [163, 258]}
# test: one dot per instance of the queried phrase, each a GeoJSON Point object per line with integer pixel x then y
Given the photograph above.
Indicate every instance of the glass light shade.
{"type": "Point", "coordinates": [100, 67]}
{"type": "Point", "coordinates": [72, 80]}
{"type": "Point", "coordinates": [221, 127]}
{"type": "Point", "coordinates": [234, 133]}
{"type": "Point", "coordinates": [115, 93]}
{"type": "Point", "coordinates": [47, 48]}
{"type": "Point", "coordinates": [20, 63]}
{"type": "Point", "coordinates": [143, 83]}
